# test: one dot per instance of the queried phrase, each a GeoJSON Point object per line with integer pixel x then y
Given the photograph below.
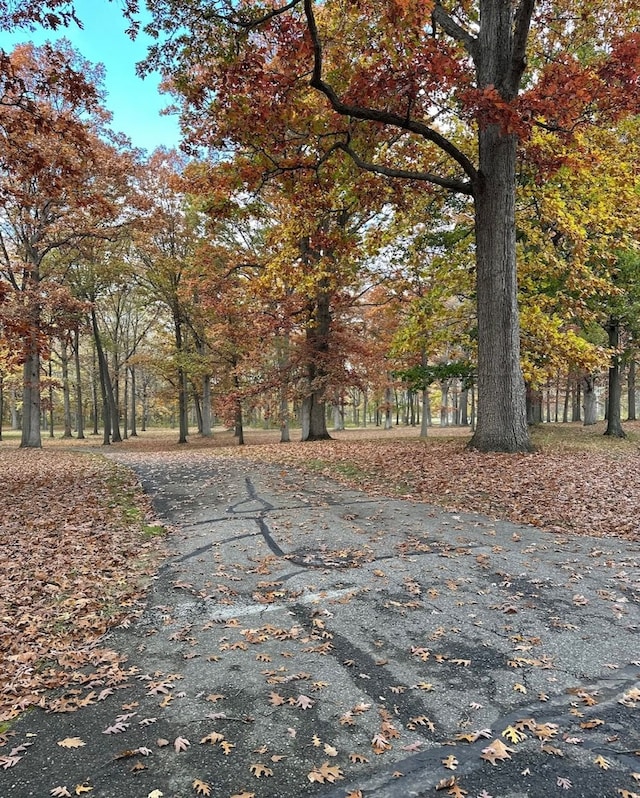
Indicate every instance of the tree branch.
{"type": "Point", "coordinates": [457, 32]}
{"type": "Point", "coordinates": [458, 186]}
{"type": "Point", "coordinates": [384, 117]}
{"type": "Point", "coordinates": [520, 37]}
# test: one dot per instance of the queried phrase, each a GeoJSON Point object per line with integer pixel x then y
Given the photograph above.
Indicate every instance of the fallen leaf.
{"type": "Point", "coordinates": [60, 792]}
{"type": "Point", "coordinates": [181, 744]}
{"type": "Point", "coordinates": [564, 783]}
{"type": "Point", "coordinates": [71, 742]}
{"type": "Point", "coordinates": [601, 762]}
{"type": "Point", "coordinates": [496, 752]}
{"type": "Point", "coordinates": [451, 763]}
{"type": "Point", "coordinates": [514, 735]}
{"type": "Point", "coordinates": [201, 787]}
{"type": "Point", "coordinates": [214, 738]}
{"type": "Point", "coordinates": [259, 770]}
{"type": "Point", "coordinates": [81, 789]}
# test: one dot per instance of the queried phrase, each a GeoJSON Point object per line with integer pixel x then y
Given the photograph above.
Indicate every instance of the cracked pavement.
{"type": "Point", "coordinates": [336, 641]}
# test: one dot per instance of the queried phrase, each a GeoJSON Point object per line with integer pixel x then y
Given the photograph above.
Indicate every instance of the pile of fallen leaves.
{"type": "Point", "coordinates": [587, 491]}
{"type": "Point", "coordinates": [73, 560]}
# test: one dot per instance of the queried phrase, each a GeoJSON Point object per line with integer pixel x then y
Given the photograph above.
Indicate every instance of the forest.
{"type": "Point", "coordinates": [410, 213]}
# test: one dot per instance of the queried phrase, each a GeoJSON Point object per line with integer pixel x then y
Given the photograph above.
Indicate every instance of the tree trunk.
{"type": "Point", "coordinates": [183, 421]}
{"type": "Point", "coordinates": [105, 381]}
{"type": "Point", "coordinates": [614, 422]}
{"type": "Point", "coordinates": [631, 391]}
{"type": "Point", "coordinates": [1, 402]}
{"type": "Point", "coordinates": [534, 405]}
{"type": "Point", "coordinates": [501, 420]}
{"type": "Point", "coordinates": [444, 402]}
{"type": "Point", "coordinates": [31, 438]}
{"type": "Point", "coordinates": [576, 407]}
{"type": "Point", "coordinates": [590, 403]}
{"type": "Point", "coordinates": [79, 408]}
{"type": "Point", "coordinates": [66, 389]}
{"type": "Point", "coordinates": [388, 407]}
{"type": "Point", "coordinates": [133, 415]}
{"type": "Point", "coordinates": [314, 417]}
{"type": "Point", "coordinates": [206, 406]}
{"type": "Point", "coordinates": [426, 413]}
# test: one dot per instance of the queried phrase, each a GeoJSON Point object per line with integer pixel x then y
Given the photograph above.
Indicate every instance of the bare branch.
{"type": "Point", "coordinates": [386, 117]}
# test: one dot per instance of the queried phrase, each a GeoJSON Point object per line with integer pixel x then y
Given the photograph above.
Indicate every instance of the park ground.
{"type": "Point", "coordinates": [81, 543]}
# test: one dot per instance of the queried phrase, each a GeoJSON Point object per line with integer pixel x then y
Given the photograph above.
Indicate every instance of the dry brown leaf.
{"type": "Point", "coordinates": [71, 742]}
{"type": "Point", "coordinates": [496, 752]}
{"type": "Point", "coordinates": [259, 770]}
{"type": "Point", "coordinates": [181, 744]}
{"type": "Point", "coordinates": [201, 787]}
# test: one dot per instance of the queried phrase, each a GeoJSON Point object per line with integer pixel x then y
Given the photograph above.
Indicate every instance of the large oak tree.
{"type": "Point", "coordinates": [436, 92]}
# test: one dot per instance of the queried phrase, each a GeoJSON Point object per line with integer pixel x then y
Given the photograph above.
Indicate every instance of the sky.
{"type": "Point", "coordinates": [134, 103]}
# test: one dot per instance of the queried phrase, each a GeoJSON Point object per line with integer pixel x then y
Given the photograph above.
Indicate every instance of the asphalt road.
{"type": "Point", "coordinates": [305, 639]}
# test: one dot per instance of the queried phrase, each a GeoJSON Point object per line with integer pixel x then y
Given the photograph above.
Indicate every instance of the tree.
{"type": "Point", "coordinates": [418, 92]}
{"type": "Point", "coordinates": [60, 182]}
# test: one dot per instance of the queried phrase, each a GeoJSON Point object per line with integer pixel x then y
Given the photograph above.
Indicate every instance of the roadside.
{"type": "Point", "coordinates": [306, 638]}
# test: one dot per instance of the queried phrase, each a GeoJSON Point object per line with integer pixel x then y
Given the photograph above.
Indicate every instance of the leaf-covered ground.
{"type": "Point", "coordinates": [74, 554]}
{"type": "Point", "coordinates": [577, 481]}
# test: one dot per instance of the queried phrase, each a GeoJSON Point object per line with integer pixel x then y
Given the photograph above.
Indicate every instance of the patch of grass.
{"type": "Point", "coordinates": [577, 437]}
{"type": "Point", "coordinates": [153, 530]}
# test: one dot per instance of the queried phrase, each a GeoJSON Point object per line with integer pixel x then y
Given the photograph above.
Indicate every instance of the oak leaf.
{"type": "Point", "coordinates": [564, 783]}
{"type": "Point", "coordinates": [81, 789]}
{"type": "Point", "coordinates": [356, 758]}
{"type": "Point", "coordinates": [60, 792]}
{"type": "Point", "coordinates": [514, 735]}
{"type": "Point", "coordinates": [325, 772]}
{"type": "Point", "coordinates": [627, 793]}
{"type": "Point", "coordinates": [450, 762]}
{"type": "Point", "coordinates": [259, 770]}
{"type": "Point", "coordinates": [213, 738]}
{"type": "Point", "coordinates": [601, 762]}
{"type": "Point", "coordinates": [201, 787]}
{"type": "Point", "coordinates": [181, 744]}
{"type": "Point", "coordinates": [496, 752]}
{"type": "Point", "coordinates": [71, 742]}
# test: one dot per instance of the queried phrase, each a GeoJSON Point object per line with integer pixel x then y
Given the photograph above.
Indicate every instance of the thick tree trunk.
{"type": "Point", "coordinates": [614, 422]}
{"type": "Point", "coordinates": [426, 413]}
{"type": "Point", "coordinates": [31, 407]}
{"type": "Point", "coordinates": [501, 420]}
{"type": "Point", "coordinates": [631, 391]}
{"type": "Point", "coordinates": [314, 417]}
{"type": "Point", "coordinates": [590, 403]}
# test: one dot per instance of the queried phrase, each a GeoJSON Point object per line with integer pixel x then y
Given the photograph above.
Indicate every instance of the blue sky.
{"type": "Point", "coordinates": [135, 103]}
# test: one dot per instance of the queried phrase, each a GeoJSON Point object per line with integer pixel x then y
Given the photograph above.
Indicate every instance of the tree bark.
{"type": "Point", "coordinates": [590, 403]}
{"type": "Point", "coordinates": [631, 391]}
{"type": "Point", "coordinates": [133, 425]}
{"type": "Point", "coordinates": [66, 391]}
{"type": "Point", "coordinates": [614, 422]}
{"type": "Point", "coordinates": [79, 407]}
{"type": "Point", "coordinates": [314, 420]}
{"type": "Point", "coordinates": [105, 382]}
{"type": "Point", "coordinates": [31, 437]}
{"type": "Point", "coordinates": [501, 413]}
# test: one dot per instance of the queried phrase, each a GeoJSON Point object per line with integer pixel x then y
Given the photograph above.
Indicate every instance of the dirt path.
{"type": "Point", "coordinates": [307, 639]}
